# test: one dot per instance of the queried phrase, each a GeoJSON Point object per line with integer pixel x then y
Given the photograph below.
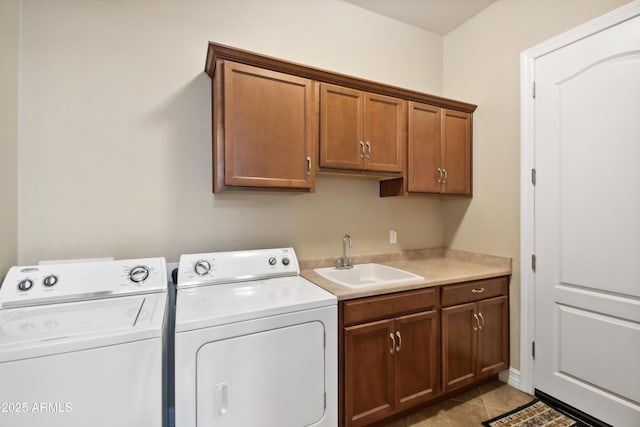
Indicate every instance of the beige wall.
{"type": "Point", "coordinates": [481, 65]}
{"type": "Point", "coordinates": [9, 78]}
{"type": "Point", "coordinates": [116, 129]}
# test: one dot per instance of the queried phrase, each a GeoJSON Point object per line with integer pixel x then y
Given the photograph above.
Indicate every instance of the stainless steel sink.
{"type": "Point", "coordinates": [363, 275]}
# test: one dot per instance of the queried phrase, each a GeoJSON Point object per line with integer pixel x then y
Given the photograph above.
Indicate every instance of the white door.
{"type": "Point", "coordinates": [587, 224]}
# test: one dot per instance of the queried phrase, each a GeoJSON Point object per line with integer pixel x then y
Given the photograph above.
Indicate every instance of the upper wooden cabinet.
{"type": "Point", "coordinates": [455, 153]}
{"type": "Point", "coordinates": [438, 153]}
{"type": "Point", "coordinates": [361, 130]}
{"type": "Point", "coordinates": [423, 156]}
{"type": "Point", "coordinates": [275, 123]}
{"type": "Point", "coordinates": [263, 129]}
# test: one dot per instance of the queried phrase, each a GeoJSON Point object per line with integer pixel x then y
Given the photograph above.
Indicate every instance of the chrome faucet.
{"type": "Point", "coordinates": [345, 262]}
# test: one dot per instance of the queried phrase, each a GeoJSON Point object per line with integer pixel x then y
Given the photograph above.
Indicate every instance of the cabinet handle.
{"type": "Point", "coordinates": [368, 156]}
{"type": "Point", "coordinates": [393, 342]}
{"type": "Point", "coordinates": [446, 176]}
{"type": "Point", "coordinates": [439, 176]}
{"type": "Point", "coordinates": [399, 341]}
{"type": "Point", "coordinates": [477, 290]}
{"type": "Point", "coordinates": [362, 149]}
{"type": "Point", "coordinates": [475, 316]}
{"type": "Point", "coordinates": [481, 318]}
{"type": "Point", "coordinates": [308, 166]}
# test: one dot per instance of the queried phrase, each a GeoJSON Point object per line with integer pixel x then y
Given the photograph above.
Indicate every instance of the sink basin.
{"type": "Point", "coordinates": [363, 275]}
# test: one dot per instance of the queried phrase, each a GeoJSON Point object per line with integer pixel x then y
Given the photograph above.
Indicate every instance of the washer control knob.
{"type": "Point", "coordinates": [50, 280]}
{"type": "Point", "coordinates": [139, 274]}
{"type": "Point", "coordinates": [285, 261]}
{"type": "Point", "coordinates": [272, 260]}
{"type": "Point", "coordinates": [25, 284]}
{"type": "Point", "coordinates": [202, 267]}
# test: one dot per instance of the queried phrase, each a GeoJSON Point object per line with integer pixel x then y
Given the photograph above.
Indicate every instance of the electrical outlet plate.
{"type": "Point", "coordinates": [393, 237]}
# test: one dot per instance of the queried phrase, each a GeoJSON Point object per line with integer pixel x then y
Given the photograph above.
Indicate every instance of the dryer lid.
{"type": "Point", "coordinates": [208, 306]}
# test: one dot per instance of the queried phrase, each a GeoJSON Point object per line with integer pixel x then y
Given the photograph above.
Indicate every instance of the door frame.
{"type": "Point", "coordinates": [527, 164]}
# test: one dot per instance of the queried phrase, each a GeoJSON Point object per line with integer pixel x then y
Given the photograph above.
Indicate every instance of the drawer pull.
{"type": "Point", "coordinates": [475, 327]}
{"type": "Point", "coordinates": [399, 341]}
{"type": "Point", "coordinates": [393, 342]}
{"type": "Point", "coordinates": [477, 290]}
{"type": "Point", "coordinates": [481, 318]}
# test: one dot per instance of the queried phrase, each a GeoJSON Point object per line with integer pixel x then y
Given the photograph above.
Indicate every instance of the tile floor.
{"type": "Point", "coordinates": [468, 409]}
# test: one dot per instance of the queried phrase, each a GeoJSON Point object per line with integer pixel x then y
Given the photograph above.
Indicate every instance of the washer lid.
{"type": "Point", "coordinates": [56, 283]}
{"type": "Point", "coordinates": [34, 331]}
{"type": "Point", "coordinates": [208, 306]}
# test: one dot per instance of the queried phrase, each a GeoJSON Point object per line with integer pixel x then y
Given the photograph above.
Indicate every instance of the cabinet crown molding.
{"type": "Point", "coordinates": [220, 51]}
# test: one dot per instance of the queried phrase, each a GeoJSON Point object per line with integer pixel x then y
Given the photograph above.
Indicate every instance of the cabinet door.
{"type": "Point", "coordinates": [423, 148]}
{"type": "Point", "coordinates": [369, 384]}
{"type": "Point", "coordinates": [493, 336]}
{"type": "Point", "coordinates": [456, 152]}
{"type": "Point", "coordinates": [385, 133]}
{"type": "Point", "coordinates": [459, 346]}
{"type": "Point", "coordinates": [267, 128]}
{"type": "Point", "coordinates": [416, 358]}
{"type": "Point", "coordinates": [341, 128]}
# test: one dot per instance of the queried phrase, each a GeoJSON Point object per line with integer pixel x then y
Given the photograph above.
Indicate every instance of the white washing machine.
{"type": "Point", "coordinates": [255, 343]}
{"type": "Point", "coordinates": [81, 344]}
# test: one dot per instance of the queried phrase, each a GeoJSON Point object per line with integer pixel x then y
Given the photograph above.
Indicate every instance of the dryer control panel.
{"type": "Point", "coordinates": [237, 266]}
{"type": "Point", "coordinates": [80, 281]}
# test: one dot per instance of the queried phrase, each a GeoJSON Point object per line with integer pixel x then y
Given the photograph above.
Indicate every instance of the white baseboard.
{"type": "Point", "coordinates": [510, 376]}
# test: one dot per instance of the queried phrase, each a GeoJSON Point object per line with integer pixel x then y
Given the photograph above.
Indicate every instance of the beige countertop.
{"type": "Point", "coordinates": [437, 266]}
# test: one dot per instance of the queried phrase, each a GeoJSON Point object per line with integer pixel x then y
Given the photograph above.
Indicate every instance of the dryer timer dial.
{"type": "Point", "coordinates": [50, 280]}
{"type": "Point", "coordinates": [202, 267]}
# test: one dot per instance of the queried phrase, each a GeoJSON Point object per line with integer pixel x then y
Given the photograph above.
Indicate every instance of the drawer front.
{"type": "Point", "coordinates": [386, 306]}
{"type": "Point", "coordinates": [474, 291]}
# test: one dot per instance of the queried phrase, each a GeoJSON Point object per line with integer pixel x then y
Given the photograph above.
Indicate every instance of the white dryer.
{"type": "Point", "coordinates": [81, 344]}
{"type": "Point", "coordinates": [255, 343]}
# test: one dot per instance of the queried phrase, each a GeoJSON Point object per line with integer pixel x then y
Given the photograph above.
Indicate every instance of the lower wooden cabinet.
{"type": "Point", "coordinates": [400, 350]}
{"type": "Point", "coordinates": [416, 365]}
{"type": "Point", "coordinates": [391, 351]}
{"type": "Point", "coordinates": [391, 365]}
{"type": "Point", "coordinates": [369, 383]}
{"type": "Point", "coordinates": [475, 341]}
